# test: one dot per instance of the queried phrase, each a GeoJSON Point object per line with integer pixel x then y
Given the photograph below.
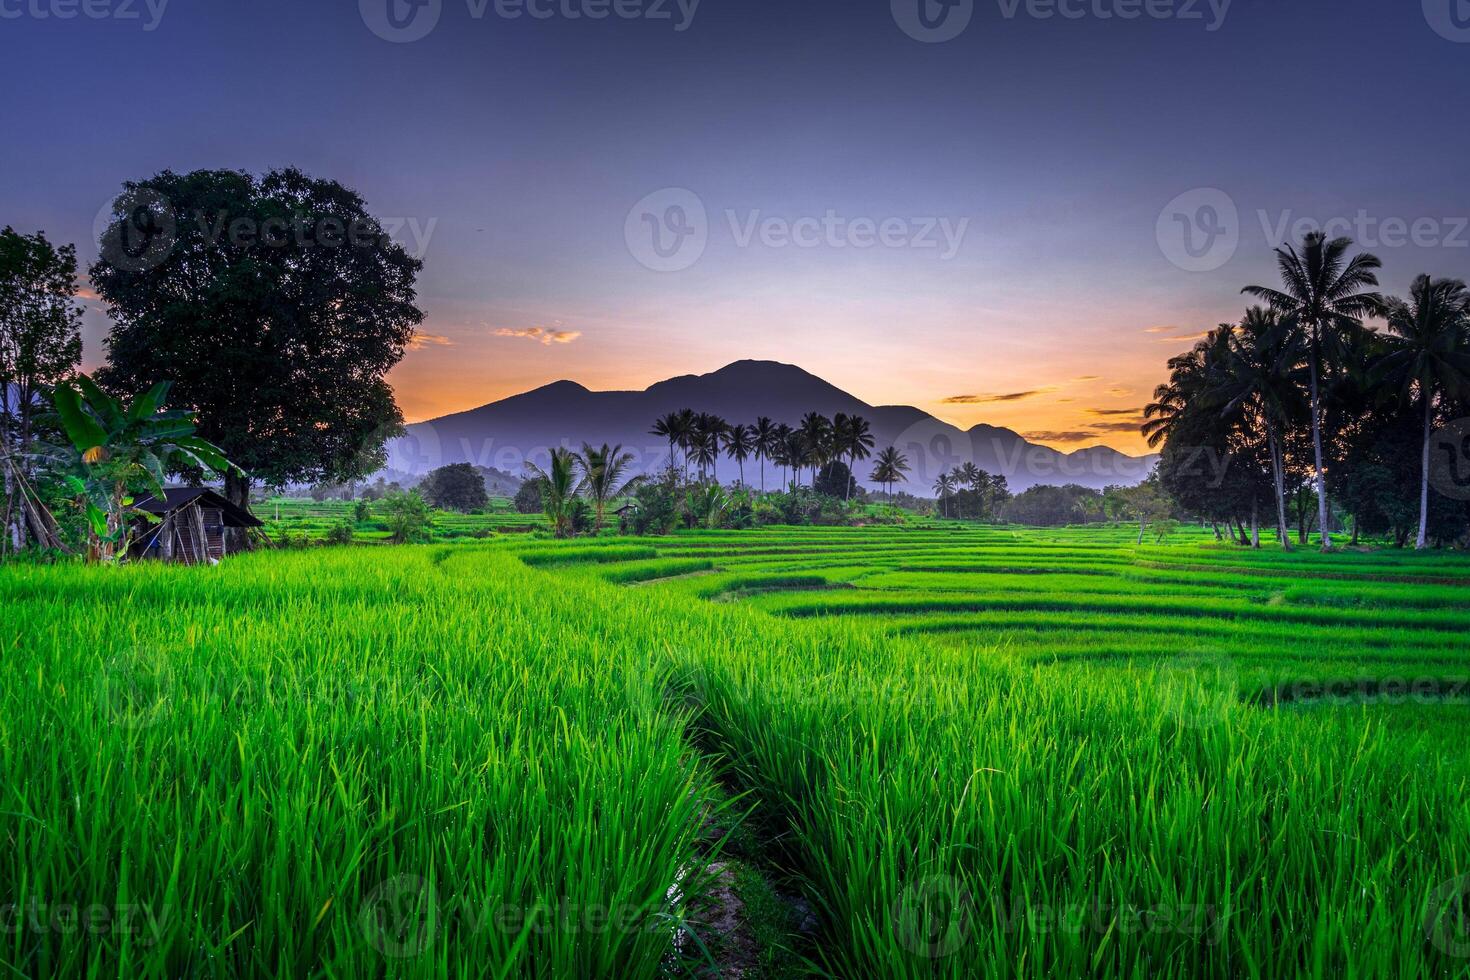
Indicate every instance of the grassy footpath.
{"type": "Point", "coordinates": [358, 762]}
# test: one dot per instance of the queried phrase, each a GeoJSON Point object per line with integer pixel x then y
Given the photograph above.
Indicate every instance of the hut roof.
{"type": "Point", "coordinates": [177, 497]}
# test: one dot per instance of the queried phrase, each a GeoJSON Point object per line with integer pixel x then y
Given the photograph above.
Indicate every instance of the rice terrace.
{"type": "Point", "coordinates": [922, 748]}
{"type": "Point", "coordinates": [734, 490]}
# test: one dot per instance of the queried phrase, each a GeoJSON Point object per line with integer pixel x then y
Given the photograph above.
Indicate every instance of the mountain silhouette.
{"type": "Point", "coordinates": [507, 433]}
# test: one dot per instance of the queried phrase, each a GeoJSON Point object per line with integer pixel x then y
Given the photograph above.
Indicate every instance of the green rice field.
{"type": "Point", "coordinates": [886, 752]}
{"type": "Point", "coordinates": [293, 520]}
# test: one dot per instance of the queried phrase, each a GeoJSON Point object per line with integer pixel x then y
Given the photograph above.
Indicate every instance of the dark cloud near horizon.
{"type": "Point", "coordinates": [1013, 396]}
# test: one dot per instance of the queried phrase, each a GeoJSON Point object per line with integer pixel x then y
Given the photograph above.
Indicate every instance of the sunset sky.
{"type": "Point", "coordinates": [516, 152]}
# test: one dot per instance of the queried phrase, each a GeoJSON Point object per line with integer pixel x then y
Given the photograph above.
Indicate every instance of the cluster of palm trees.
{"type": "Point", "coordinates": [595, 475]}
{"type": "Point", "coordinates": [1306, 363]}
{"type": "Point", "coordinates": [981, 492]}
{"type": "Point", "coordinates": [703, 438]}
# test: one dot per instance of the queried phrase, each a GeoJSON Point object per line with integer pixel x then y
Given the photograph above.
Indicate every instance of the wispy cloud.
{"type": "Point", "coordinates": [546, 336]}
{"type": "Point", "coordinates": [1053, 436]}
{"type": "Point", "coordinates": [1184, 337]}
{"type": "Point", "coordinates": [1087, 377]}
{"type": "Point", "coordinates": [1012, 396]}
{"type": "Point", "coordinates": [1115, 411]}
{"type": "Point", "coordinates": [422, 340]}
{"type": "Point", "coordinates": [1130, 426]}
{"type": "Point", "coordinates": [1164, 329]}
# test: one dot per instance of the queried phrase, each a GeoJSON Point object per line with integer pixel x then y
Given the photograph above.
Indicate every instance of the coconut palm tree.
{"type": "Point", "coordinates": [1431, 354]}
{"type": "Point", "coordinates": [795, 450]}
{"type": "Point", "coordinates": [816, 433]}
{"type": "Point", "coordinates": [739, 443]}
{"type": "Point", "coordinates": [559, 488]}
{"type": "Point", "coordinates": [705, 443]}
{"type": "Point", "coordinates": [1260, 374]}
{"type": "Point", "coordinates": [668, 427]}
{"type": "Point", "coordinates": [602, 475]}
{"type": "Point", "coordinates": [852, 438]}
{"type": "Point", "coordinates": [944, 486]}
{"type": "Point", "coordinates": [684, 423]}
{"type": "Point", "coordinates": [764, 433]}
{"type": "Point", "coordinates": [969, 475]}
{"type": "Point", "coordinates": [1326, 295]}
{"type": "Point", "coordinates": [891, 465]}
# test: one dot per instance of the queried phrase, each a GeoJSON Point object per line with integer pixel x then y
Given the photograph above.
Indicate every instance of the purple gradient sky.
{"type": "Point", "coordinates": [526, 142]}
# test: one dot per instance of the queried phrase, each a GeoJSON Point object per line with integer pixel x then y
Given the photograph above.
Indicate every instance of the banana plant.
{"type": "Point", "coordinates": [116, 450]}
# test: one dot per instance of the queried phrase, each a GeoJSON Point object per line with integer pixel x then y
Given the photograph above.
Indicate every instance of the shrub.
{"type": "Point", "coordinates": [407, 517]}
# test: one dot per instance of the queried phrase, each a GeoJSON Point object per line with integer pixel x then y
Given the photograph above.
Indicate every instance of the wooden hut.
{"type": "Point", "coordinates": [192, 526]}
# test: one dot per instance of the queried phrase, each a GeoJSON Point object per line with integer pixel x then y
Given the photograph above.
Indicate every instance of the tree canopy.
{"type": "Point", "coordinates": [276, 304]}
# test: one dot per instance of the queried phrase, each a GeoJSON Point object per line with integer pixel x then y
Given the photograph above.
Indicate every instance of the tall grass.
{"type": "Point", "coordinates": [443, 761]}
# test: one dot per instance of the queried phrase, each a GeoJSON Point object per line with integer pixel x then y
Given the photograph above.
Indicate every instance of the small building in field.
{"type": "Point", "coordinates": [191, 526]}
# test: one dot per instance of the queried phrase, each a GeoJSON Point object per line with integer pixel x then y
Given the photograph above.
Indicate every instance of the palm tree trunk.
{"type": "Point", "coordinates": [1276, 469]}
{"type": "Point", "coordinates": [1423, 541]}
{"type": "Point", "coordinates": [1322, 515]}
{"type": "Point", "coordinates": [763, 474]}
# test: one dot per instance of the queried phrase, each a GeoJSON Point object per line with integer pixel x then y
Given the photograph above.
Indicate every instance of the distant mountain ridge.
{"type": "Point", "coordinates": [506, 433]}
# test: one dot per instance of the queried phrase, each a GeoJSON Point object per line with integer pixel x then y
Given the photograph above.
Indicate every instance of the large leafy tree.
{"type": "Point", "coordinates": [1326, 293]}
{"type": "Point", "coordinates": [1430, 355]}
{"type": "Point", "coordinates": [40, 345]}
{"type": "Point", "coordinates": [458, 486]}
{"type": "Point", "coordinates": [275, 303]}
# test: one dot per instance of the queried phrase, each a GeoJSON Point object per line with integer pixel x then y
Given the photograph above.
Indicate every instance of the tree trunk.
{"type": "Point", "coordinates": [1322, 515]}
{"type": "Point", "coordinates": [1276, 468]}
{"type": "Point", "coordinates": [1142, 526]}
{"type": "Point", "coordinates": [1216, 526]}
{"type": "Point", "coordinates": [237, 492]}
{"type": "Point", "coordinates": [1255, 523]}
{"type": "Point", "coordinates": [1423, 541]}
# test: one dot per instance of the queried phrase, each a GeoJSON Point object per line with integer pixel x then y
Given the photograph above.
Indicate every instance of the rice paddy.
{"type": "Point", "coordinates": [967, 751]}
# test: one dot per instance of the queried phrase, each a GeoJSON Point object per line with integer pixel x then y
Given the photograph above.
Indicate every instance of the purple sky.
{"type": "Point", "coordinates": [990, 227]}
